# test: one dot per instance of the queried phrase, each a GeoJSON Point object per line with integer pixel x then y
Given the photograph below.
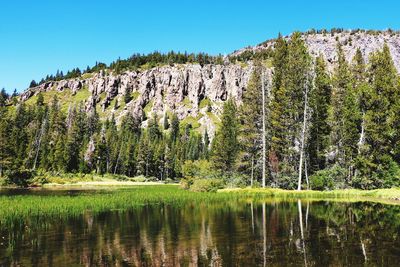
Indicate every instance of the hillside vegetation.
{"type": "Point", "coordinates": [323, 129]}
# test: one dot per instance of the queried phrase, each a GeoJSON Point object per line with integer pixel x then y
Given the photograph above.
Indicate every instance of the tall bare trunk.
{"type": "Point", "coordinates": [119, 156]}
{"type": "Point", "coordinates": [39, 141]}
{"type": "Point", "coordinates": [264, 150]}
{"type": "Point", "coordinates": [252, 171]}
{"type": "Point", "coordinates": [303, 134]}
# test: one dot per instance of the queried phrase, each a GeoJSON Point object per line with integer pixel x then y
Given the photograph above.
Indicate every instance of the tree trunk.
{"type": "Point", "coordinates": [263, 129]}
{"type": "Point", "coordinates": [39, 141]}
{"type": "Point", "coordinates": [303, 134]}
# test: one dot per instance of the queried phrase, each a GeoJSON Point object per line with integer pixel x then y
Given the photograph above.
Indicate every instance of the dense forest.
{"type": "Point", "coordinates": [319, 130]}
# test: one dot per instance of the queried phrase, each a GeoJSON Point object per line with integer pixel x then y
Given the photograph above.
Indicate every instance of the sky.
{"type": "Point", "coordinates": [40, 37]}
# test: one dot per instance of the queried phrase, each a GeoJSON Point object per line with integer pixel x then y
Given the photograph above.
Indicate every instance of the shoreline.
{"type": "Point", "coordinates": [384, 196]}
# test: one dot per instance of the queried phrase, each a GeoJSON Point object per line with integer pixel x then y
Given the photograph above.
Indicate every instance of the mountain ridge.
{"type": "Point", "coordinates": [196, 92]}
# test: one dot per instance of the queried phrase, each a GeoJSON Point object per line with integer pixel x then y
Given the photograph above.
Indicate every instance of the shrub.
{"type": "Point", "coordinates": [287, 177]}
{"type": "Point", "coordinates": [168, 181]}
{"type": "Point", "coordinates": [19, 177]}
{"type": "Point", "coordinates": [206, 185]}
{"type": "Point", "coordinates": [328, 179]}
{"type": "Point", "coordinates": [236, 180]}
{"type": "Point", "coordinates": [193, 170]}
{"type": "Point", "coordinates": [386, 174]}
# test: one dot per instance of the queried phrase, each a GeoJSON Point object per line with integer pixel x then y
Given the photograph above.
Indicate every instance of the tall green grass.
{"type": "Point", "coordinates": [377, 195]}
{"type": "Point", "coordinates": [22, 209]}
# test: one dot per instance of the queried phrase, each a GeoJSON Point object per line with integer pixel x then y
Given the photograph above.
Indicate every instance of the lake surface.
{"type": "Point", "coordinates": [261, 233]}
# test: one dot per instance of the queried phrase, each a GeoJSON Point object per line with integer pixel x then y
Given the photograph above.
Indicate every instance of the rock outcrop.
{"type": "Point", "coordinates": [190, 90]}
{"type": "Point", "coordinates": [326, 43]}
{"type": "Point", "coordinates": [196, 93]}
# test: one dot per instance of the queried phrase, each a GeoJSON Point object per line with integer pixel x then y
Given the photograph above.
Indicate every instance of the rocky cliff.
{"type": "Point", "coordinates": [325, 44]}
{"type": "Point", "coordinates": [196, 93]}
{"type": "Point", "coordinates": [193, 92]}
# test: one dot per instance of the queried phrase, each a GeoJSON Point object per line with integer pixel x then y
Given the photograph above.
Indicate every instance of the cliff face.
{"type": "Point", "coordinates": [193, 92]}
{"type": "Point", "coordinates": [325, 44]}
{"type": "Point", "coordinates": [196, 93]}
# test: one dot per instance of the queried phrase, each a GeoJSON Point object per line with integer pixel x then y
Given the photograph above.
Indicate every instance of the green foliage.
{"type": "Point", "coordinates": [225, 143]}
{"type": "Point", "coordinates": [21, 177]}
{"type": "Point", "coordinates": [204, 103]}
{"type": "Point", "coordinates": [250, 133]}
{"type": "Point", "coordinates": [351, 132]}
{"type": "Point", "coordinates": [206, 185]}
{"type": "Point", "coordinates": [328, 179]}
{"type": "Point", "coordinates": [194, 170]}
{"type": "Point", "coordinates": [320, 100]}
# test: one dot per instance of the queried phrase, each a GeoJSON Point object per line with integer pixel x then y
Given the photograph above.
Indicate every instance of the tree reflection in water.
{"type": "Point", "coordinates": [299, 232]}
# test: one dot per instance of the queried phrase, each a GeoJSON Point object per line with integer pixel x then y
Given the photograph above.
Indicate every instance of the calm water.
{"type": "Point", "coordinates": [271, 233]}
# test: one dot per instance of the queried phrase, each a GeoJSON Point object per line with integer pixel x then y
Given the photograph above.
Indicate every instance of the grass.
{"type": "Point", "coordinates": [148, 107]}
{"type": "Point", "coordinates": [25, 210]}
{"type": "Point", "coordinates": [65, 97]}
{"type": "Point", "coordinates": [56, 179]}
{"type": "Point", "coordinates": [190, 120]}
{"type": "Point", "coordinates": [87, 75]}
{"type": "Point", "coordinates": [214, 118]}
{"type": "Point", "coordinates": [135, 95]}
{"type": "Point", "coordinates": [187, 103]}
{"type": "Point", "coordinates": [204, 103]}
{"type": "Point", "coordinates": [377, 195]}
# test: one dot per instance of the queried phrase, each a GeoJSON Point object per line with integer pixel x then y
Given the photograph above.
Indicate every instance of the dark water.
{"type": "Point", "coordinates": [273, 233]}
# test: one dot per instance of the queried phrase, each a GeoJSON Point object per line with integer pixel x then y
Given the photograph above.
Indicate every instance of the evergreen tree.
{"type": "Point", "coordinates": [165, 123]}
{"type": "Point", "coordinates": [225, 145]}
{"type": "Point", "coordinates": [320, 101]}
{"type": "Point", "coordinates": [346, 116]}
{"type": "Point", "coordinates": [174, 128]}
{"type": "Point", "coordinates": [381, 123]}
{"type": "Point", "coordinates": [250, 131]}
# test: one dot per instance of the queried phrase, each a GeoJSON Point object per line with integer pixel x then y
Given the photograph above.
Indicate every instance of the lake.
{"type": "Point", "coordinates": [218, 232]}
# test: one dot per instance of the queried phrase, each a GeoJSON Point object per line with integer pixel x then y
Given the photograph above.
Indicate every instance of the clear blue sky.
{"type": "Point", "coordinates": [39, 37]}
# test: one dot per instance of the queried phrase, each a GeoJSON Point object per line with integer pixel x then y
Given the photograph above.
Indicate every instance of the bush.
{"type": "Point", "coordinates": [236, 180]}
{"type": "Point", "coordinates": [287, 177]}
{"type": "Point", "coordinates": [39, 180]}
{"type": "Point", "coordinates": [19, 177]}
{"type": "Point", "coordinates": [168, 181]}
{"type": "Point", "coordinates": [3, 181]}
{"type": "Point", "coordinates": [328, 179]}
{"type": "Point", "coordinates": [207, 185]}
{"type": "Point", "coordinates": [386, 174]}
{"type": "Point", "coordinates": [193, 170]}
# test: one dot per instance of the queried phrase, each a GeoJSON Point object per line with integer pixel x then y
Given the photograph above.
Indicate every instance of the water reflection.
{"type": "Point", "coordinates": [273, 233]}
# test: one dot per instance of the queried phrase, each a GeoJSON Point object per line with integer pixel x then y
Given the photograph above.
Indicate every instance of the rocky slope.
{"type": "Point", "coordinates": [193, 92]}
{"type": "Point", "coordinates": [325, 44]}
{"type": "Point", "coordinates": [196, 93]}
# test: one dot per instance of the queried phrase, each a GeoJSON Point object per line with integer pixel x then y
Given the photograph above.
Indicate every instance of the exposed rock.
{"type": "Point", "coordinates": [325, 44]}
{"type": "Point", "coordinates": [179, 89]}
{"type": "Point", "coordinates": [182, 88]}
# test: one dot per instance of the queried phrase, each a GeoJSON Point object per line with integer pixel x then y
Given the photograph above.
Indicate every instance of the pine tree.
{"type": "Point", "coordinates": [174, 128]}
{"type": "Point", "coordinates": [346, 116]}
{"type": "Point", "coordinates": [6, 148]}
{"type": "Point", "coordinates": [206, 146]}
{"type": "Point", "coordinates": [381, 123]}
{"type": "Point", "coordinates": [225, 145]}
{"type": "Point", "coordinates": [250, 131]}
{"type": "Point", "coordinates": [278, 118]}
{"type": "Point", "coordinates": [165, 123]}
{"type": "Point", "coordinates": [341, 85]}
{"type": "Point", "coordinates": [320, 101]}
